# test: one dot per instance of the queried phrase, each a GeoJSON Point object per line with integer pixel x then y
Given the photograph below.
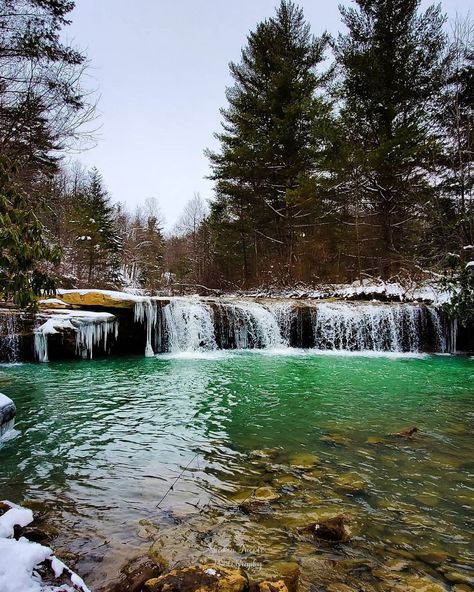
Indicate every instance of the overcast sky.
{"type": "Point", "coordinates": [161, 67]}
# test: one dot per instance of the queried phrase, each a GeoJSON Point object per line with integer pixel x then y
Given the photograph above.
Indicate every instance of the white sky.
{"type": "Point", "coordinates": [161, 67]}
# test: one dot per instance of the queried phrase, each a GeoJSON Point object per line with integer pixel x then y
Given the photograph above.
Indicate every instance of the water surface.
{"type": "Point", "coordinates": [101, 442]}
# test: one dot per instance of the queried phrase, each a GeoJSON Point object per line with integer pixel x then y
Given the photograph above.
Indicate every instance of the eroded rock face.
{"type": "Point", "coordinates": [103, 298]}
{"type": "Point", "coordinates": [200, 578]}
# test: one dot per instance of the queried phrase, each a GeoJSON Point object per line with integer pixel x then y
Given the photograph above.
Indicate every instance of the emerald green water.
{"type": "Point", "coordinates": [100, 442]}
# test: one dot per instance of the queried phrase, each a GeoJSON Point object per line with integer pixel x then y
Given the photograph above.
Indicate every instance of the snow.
{"type": "Point", "coordinates": [91, 328]}
{"type": "Point", "coordinates": [56, 301]}
{"type": "Point", "coordinates": [20, 558]}
{"type": "Point", "coordinates": [4, 400]}
{"type": "Point", "coordinates": [469, 264]}
{"type": "Point", "coordinates": [112, 293]}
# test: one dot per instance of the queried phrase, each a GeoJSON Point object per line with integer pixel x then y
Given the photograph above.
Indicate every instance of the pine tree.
{"type": "Point", "coordinates": [456, 119]}
{"type": "Point", "coordinates": [270, 143]}
{"type": "Point", "coordinates": [26, 255]}
{"type": "Point", "coordinates": [392, 68]}
{"type": "Point", "coordinates": [97, 239]}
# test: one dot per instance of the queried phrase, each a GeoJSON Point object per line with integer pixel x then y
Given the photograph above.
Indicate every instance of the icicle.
{"type": "Point", "coordinates": [146, 312]}
{"type": "Point", "coordinates": [93, 333]}
{"type": "Point", "coordinates": [41, 346]}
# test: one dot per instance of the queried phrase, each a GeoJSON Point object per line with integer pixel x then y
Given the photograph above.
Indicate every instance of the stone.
{"type": "Point", "coordinates": [264, 453]}
{"type": "Point", "coordinates": [102, 298]}
{"type": "Point", "coordinates": [285, 480]}
{"type": "Point", "coordinates": [406, 433]}
{"type": "Point", "coordinates": [338, 439]}
{"type": "Point", "coordinates": [154, 553]}
{"type": "Point", "coordinates": [304, 461]}
{"type": "Point", "coordinates": [52, 303]}
{"type": "Point", "coordinates": [411, 583]}
{"type": "Point", "coordinates": [135, 574]}
{"type": "Point", "coordinates": [339, 587]}
{"type": "Point", "coordinates": [351, 482]}
{"type": "Point", "coordinates": [455, 577]}
{"type": "Point", "coordinates": [333, 530]}
{"type": "Point", "coordinates": [32, 533]}
{"type": "Point", "coordinates": [314, 475]}
{"type": "Point", "coordinates": [278, 586]}
{"type": "Point", "coordinates": [200, 578]}
{"type": "Point", "coordinates": [462, 588]}
{"type": "Point", "coordinates": [4, 508]}
{"type": "Point", "coordinates": [397, 565]}
{"type": "Point", "coordinates": [373, 440]}
{"type": "Point", "coordinates": [433, 557]}
{"type": "Point", "coordinates": [265, 495]}
{"type": "Point", "coordinates": [287, 571]}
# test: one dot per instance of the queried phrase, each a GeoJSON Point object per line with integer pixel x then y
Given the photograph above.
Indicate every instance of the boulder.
{"type": "Point", "coordinates": [7, 413]}
{"type": "Point", "coordinates": [200, 578]}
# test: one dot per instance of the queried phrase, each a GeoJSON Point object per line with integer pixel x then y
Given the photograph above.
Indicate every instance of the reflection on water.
{"type": "Point", "coordinates": [101, 442]}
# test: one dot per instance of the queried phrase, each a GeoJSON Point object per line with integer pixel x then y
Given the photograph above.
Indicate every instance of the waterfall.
{"type": "Point", "coordinates": [9, 338]}
{"type": "Point", "coordinates": [188, 326]}
{"type": "Point", "coordinates": [375, 327]}
{"type": "Point", "coordinates": [145, 311]}
{"type": "Point", "coordinates": [250, 325]}
{"type": "Point", "coordinates": [91, 330]}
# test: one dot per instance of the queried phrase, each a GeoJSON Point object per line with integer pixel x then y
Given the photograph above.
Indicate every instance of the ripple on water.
{"type": "Point", "coordinates": [103, 441]}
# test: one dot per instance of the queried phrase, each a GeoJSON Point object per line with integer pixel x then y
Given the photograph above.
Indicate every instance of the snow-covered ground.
{"type": "Point", "coordinates": [20, 559]}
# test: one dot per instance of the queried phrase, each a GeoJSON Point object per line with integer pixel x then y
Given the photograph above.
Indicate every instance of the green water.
{"type": "Point", "coordinates": [100, 442]}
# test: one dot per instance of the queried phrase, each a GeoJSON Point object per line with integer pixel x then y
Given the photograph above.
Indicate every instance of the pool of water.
{"type": "Point", "coordinates": [124, 453]}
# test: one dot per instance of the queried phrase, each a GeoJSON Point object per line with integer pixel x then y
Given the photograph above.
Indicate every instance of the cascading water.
{"type": "Point", "coordinates": [9, 337]}
{"type": "Point", "coordinates": [250, 325]}
{"type": "Point", "coordinates": [188, 326]}
{"type": "Point", "coordinates": [373, 327]}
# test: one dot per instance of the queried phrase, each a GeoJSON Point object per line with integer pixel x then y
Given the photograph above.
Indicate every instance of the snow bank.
{"type": "Point", "coordinates": [4, 400]}
{"type": "Point", "coordinates": [20, 558]}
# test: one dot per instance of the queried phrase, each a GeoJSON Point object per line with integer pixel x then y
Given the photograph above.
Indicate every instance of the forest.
{"type": "Point", "coordinates": [340, 159]}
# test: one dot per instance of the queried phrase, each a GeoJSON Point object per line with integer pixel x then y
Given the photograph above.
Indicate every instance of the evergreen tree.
{"type": "Point", "coordinates": [26, 255]}
{"type": "Point", "coordinates": [270, 143]}
{"type": "Point", "coordinates": [392, 68]}
{"type": "Point", "coordinates": [97, 239]}
{"type": "Point", "coordinates": [456, 119]}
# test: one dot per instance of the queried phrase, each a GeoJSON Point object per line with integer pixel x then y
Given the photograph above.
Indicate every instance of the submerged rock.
{"type": "Point", "coordinates": [135, 574]}
{"type": "Point", "coordinates": [336, 439]}
{"type": "Point", "coordinates": [304, 461]}
{"type": "Point", "coordinates": [200, 578]}
{"type": "Point", "coordinates": [333, 530]}
{"type": "Point", "coordinates": [406, 433]}
{"type": "Point", "coordinates": [351, 482]}
{"type": "Point", "coordinates": [287, 572]}
{"type": "Point", "coordinates": [374, 440]}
